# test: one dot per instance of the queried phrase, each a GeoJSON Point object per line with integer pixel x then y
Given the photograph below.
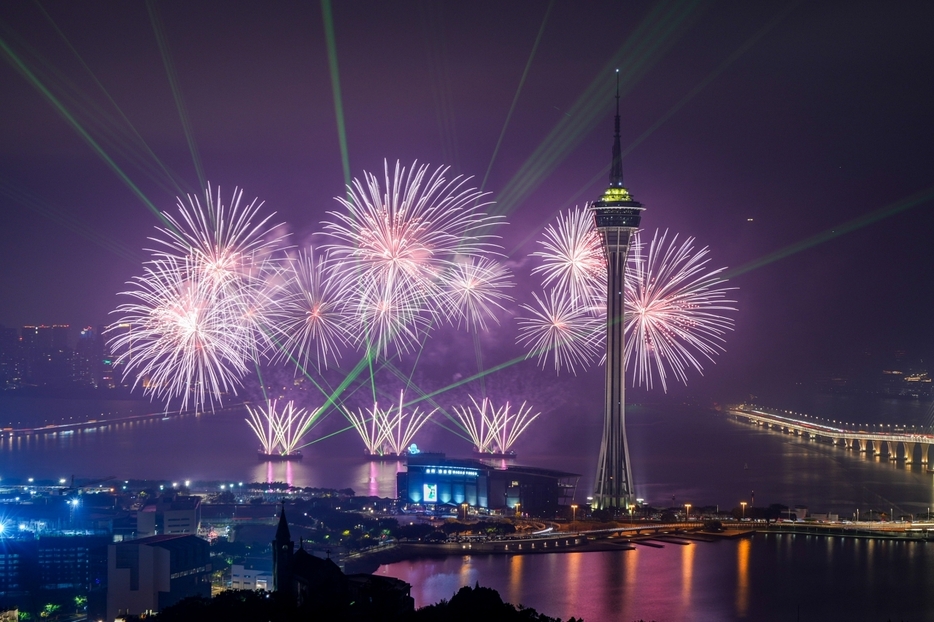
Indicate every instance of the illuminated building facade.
{"type": "Point", "coordinates": [433, 481]}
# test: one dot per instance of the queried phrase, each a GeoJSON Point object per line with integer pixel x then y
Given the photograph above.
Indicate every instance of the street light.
{"type": "Point", "coordinates": [517, 508]}
{"type": "Point", "coordinates": [743, 503]}
{"type": "Point", "coordinates": [573, 512]}
{"type": "Point", "coordinates": [687, 511]}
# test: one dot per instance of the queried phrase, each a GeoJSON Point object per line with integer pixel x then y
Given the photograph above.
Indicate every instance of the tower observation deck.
{"type": "Point", "coordinates": [617, 217]}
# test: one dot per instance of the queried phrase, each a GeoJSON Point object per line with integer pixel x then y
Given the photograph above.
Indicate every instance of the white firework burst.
{"type": "Point", "coordinates": [674, 308]}
{"type": "Point", "coordinates": [572, 259]}
{"type": "Point", "coordinates": [560, 330]}
{"type": "Point", "coordinates": [674, 304]}
{"type": "Point", "coordinates": [309, 320]}
{"type": "Point", "coordinates": [396, 241]}
{"type": "Point", "coordinates": [179, 338]}
{"type": "Point", "coordinates": [476, 292]}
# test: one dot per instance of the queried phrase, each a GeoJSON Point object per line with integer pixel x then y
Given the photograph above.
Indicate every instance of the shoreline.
{"type": "Point", "coordinates": [370, 560]}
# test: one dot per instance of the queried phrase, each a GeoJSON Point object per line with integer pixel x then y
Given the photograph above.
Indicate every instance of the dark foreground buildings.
{"type": "Point", "coordinates": [319, 587]}
{"type": "Point", "coordinates": [44, 567]}
{"type": "Point", "coordinates": [149, 574]}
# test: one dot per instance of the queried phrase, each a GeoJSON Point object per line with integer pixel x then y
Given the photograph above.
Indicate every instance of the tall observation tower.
{"type": "Point", "coordinates": [617, 217]}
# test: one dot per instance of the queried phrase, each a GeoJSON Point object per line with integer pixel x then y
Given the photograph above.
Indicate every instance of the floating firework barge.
{"type": "Point", "coordinates": [505, 455]}
{"type": "Point", "coordinates": [267, 457]}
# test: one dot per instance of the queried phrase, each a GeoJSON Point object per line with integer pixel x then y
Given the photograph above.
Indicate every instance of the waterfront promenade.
{"type": "Point", "coordinates": [631, 535]}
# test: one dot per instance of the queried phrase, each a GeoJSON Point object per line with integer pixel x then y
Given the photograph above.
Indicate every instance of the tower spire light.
{"type": "Point", "coordinates": [616, 166]}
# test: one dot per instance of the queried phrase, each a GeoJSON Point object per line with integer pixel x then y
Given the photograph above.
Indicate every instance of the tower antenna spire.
{"type": "Point", "coordinates": [616, 167]}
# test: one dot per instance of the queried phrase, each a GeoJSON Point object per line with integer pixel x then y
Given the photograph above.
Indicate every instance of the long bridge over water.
{"type": "Point", "coordinates": [899, 444]}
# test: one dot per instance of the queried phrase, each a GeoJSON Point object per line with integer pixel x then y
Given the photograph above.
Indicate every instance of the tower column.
{"type": "Point", "coordinates": [613, 487]}
{"type": "Point", "coordinates": [617, 217]}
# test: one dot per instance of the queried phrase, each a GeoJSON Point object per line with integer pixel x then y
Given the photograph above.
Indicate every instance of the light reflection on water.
{"type": "Point", "coordinates": [742, 577]}
{"type": "Point", "coordinates": [679, 455]}
{"type": "Point", "coordinates": [775, 577]}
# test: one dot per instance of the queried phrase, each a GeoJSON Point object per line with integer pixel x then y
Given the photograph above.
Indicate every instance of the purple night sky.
{"type": "Point", "coordinates": [751, 126]}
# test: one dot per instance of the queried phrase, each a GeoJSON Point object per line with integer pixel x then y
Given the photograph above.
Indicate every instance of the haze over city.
{"type": "Point", "coordinates": [792, 143]}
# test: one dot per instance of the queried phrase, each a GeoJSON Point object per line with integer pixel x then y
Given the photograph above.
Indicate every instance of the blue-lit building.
{"type": "Point", "coordinates": [47, 566]}
{"type": "Point", "coordinates": [432, 480]}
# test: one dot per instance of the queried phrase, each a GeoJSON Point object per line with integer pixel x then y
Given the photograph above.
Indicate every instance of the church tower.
{"type": "Point", "coordinates": [283, 549]}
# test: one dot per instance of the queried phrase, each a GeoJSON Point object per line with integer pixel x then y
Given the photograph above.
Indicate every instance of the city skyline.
{"type": "Point", "coordinates": [760, 131]}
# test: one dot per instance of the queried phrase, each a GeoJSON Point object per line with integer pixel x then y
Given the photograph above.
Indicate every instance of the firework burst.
{"type": "Point", "coordinates": [397, 241]}
{"type": "Point", "coordinates": [562, 330]}
{"type": "Point", "coordinates": [179, 339]}
{"type": "Point", "coordinates": [229, 244]}
{"type": "Point", "coordinates": [494, 430]}
{"type": "Point", "coordinates": [475, 292]}
{"type": "Point", "coordinates": [308, 321]}
{"type": "Point", "coordinates": [388, 431]}
{"type": "Point", "coordinates": [675, 304]}
{"type": "Point", "coordinates": [233, 247]}
{"type": "Point", "coordinates": [675, 311]}
{"type": "Point", "coordinates": [199, 310]}
{"type": "Point", "coordinates": [572, 260]}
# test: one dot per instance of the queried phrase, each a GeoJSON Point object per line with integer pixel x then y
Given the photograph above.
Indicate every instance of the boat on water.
{"type": "Point", "coordinates": [388, 456]}
{"type": "Point", "coordinates": [507, 455]}
{"type": "Point", "coordinates": [264, 457]}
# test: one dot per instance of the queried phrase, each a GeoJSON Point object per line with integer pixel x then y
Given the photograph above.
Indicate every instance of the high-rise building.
{"type": "Point", "coordinates": [86, 359]}
{"type": "Point", "coordinates": [47, 354]}
{"type": "Point", "coordinates": [617, 217]}
{"type": "Point", "coordinates": [150, 574]}
{"type": "Point", "coordinates": [11, 372]}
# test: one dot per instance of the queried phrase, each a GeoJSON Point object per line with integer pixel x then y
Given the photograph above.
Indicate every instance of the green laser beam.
{"type": "Point", "coordinates": [67, 220]}
{"type": "Point", "coordinates": [515, 99]}
{"type": "Point", "coordinates": [327, 436]}
{"type": "Point", "coordinates": [433, 24]}
{"type": "Point", "coordinates": [94, 116]}
{"type": "Point", "coordinates": [912, 201]}
{"type": "Point", "coordinates": [468, 379]}
{"type": "Point", "coordinates": [21, 67]}
{"type": "Point", "coordinates": [150, 155]}
{"type": "Point", "coordinates": [398, 373]}
{"type": "Point", "coordinates": [158, 29]}
{"type": "Point", "coordinates": [330, 39]}
{"type": "Point", "coordinates": [742, 49]}
{"type": "Point", "coordinates": [654, 35]}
